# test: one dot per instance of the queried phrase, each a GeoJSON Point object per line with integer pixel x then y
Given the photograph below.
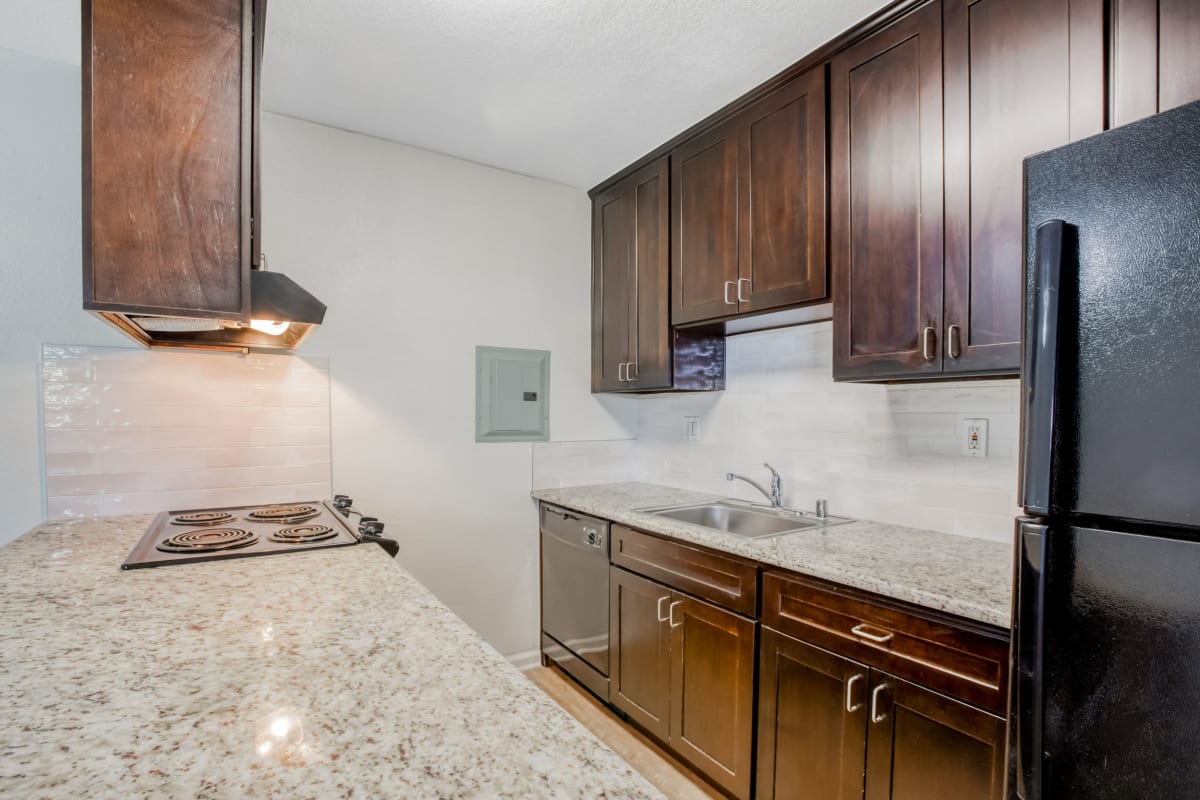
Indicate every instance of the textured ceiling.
{"type": "Point", "coordinates": [568, 90]}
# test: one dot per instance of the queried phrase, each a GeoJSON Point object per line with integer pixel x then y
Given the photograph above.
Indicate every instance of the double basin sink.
{"type": "Point", "coordinates": [744, 519]}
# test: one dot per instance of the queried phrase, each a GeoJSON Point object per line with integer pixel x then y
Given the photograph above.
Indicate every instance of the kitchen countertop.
{"type": "Point", "coordinates": [967, 577]}
{"type": "Point", "coordinates": [318, 674]}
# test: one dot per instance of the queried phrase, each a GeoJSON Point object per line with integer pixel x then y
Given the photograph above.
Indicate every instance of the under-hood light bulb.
{"type": "Point", "coordinates": [269, 327]}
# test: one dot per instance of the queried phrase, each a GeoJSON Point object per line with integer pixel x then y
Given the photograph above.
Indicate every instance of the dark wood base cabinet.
{"type": "Point", "coordinates": [683, 670]}
{"type": "Point", "coordinates": [831, 728]}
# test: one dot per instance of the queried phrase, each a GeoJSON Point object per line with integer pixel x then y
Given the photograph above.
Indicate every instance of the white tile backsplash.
{"type": "Point", "coordinates": [889, 453]}
{"type": "Point", "coordinates": [132, 431]}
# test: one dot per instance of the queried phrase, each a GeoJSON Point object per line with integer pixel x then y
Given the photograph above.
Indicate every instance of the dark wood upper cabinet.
{"type": "Point", "coordinates": [168, 100]}
{"type": "Point", "coordinates": [640, 645]}
{"type": "Point", "coordinates": [633, 345]}
{"type": "Point", "coordinates": [886, 200]}
{"type": "Point", "coordinates": [922, 745]}
{"type": "Point", "coordinates": [712, 691]}
{"type": "Point", "coordinates": [748, 208]}
{"type": "Point", "coordinates": [704, 227]}
{"type": "Point", "coordinates": [812, 722]}
{"type": "Point", "coordinates": [1021, 77]}
{"type": "Point", "coordinates": [781, 199]}
{"type": "Point", "coordinates": [1155, 57]}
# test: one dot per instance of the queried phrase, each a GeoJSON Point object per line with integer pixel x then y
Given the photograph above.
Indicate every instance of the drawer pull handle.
{"type": "Point", "coordinates": [851, 706]}
{"type": "Point", "coordinates": [876, 717]}
{"type": "Point", "coordinates": [661, 616]}
{"type": "Point", "coordinates": [671, 614]}
{"type": "Point", "coordinates": [859, 630]}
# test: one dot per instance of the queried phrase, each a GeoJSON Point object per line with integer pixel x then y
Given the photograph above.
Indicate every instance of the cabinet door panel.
{"type": "Point", "coordinates": [782, 196]}
{"type": "Point", "coordinates": [1156, 65]}
{"type": "Point", "coordinates": [167, 90]}
{"type": "Point", "coordinates": [640, 649]}
{"type": "Point", "coordinates": [812, 716]}
{"type": "Point", "coordinates": [613, 276]}
{"type": "Point", "coordinates": [651, 352]}
{"type": "Point", "coordinates": [712, 688]}
{"type": "Point", "coordinates": [704, 261]}
{"type": "Point", "coordinates": [886, 200]}
{"type": "Point", "coordinates": [924, 746]}
{"type": "Point", "coordinates": [1017, 83]}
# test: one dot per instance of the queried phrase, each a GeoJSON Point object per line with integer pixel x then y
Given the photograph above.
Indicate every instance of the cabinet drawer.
{"type": "Point", "coordinates": [725, 580]}
{"type": "Point", "coordinates": [967, 663]}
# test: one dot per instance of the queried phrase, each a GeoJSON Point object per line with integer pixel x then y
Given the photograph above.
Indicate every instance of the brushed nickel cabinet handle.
{"type": "Point", "coordinates": [876, 717]}
{"type": "Point", "coordinates": [927, 343]}
{"type": "Point", "coordinates": [631, 371]}
{"type": "Point", "coordinates": [671, 613]}
{"type": "Point", "coordinates": [857, 630]}
{"type": "Point", "coordinates": [620, 372]}
{"type": "Point", "coordinates": [953, 347]}
{"type": "Point", "coordinates": [851, 706]}
{"type": "Point", "coordinates": [661, 616]}
{"type": "Point", "coordinates": [728, 286]}
{"type": "Point", "coordinates": [739, 290]}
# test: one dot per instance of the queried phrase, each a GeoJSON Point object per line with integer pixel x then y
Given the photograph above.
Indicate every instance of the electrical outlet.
{"type": "Point", "coordinates": [691, 429]}
{"type": "Point", "coordinates": [975, 438]}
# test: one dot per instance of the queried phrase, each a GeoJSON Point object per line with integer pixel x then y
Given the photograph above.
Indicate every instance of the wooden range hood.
{"type": "Point", "coordinates": [171, 178]}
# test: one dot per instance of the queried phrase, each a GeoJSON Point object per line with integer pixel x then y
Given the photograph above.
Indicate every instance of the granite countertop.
{"type": "Point", "coordinates": [322, 674]}
{"type": "Point", "coordinates": [968, 577]}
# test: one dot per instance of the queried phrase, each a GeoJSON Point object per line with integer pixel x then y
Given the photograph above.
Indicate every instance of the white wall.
{"type": "Point", "coordinates": [421, 257]}
{"type": "Point", "coordinates": [40, 258]}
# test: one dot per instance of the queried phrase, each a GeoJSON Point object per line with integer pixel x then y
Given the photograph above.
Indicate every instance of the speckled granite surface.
{"type": "Point", "coordinates": [968, 577]}
{"type": "Point", "coordinates": [325, 674]}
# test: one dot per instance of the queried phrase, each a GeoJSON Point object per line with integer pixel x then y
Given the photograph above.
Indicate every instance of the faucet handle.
{"type": "Point", "coordinates": [822, 509]}
{"type": "Point", "coordinates": [774, 472]}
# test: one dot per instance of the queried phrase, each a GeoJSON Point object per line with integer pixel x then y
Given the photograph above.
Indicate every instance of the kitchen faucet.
{"type": "Point", "coordinates": [776, 493]}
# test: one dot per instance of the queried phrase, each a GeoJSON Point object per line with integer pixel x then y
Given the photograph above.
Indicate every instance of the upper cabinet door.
{"type": "Point", "coordinates": [704, 216]}
{"type": "Point", "coordinates": [1022, 76]}
{"type": "Point", "coordinates": [886, 200]}
{"type": "Point", "coordinates": [651, 367]}
{"type": "Point", "coordinates": [782, 197]}
{"type": "Point", "coordinates": [614, 281]}
{"type": "Point", "coordinates": [168, 98]}
{"type": "Point", "coordinates": [1156, 64]}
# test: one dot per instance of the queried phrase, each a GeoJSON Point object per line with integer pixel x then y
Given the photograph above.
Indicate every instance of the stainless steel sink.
{"type": "Point", "coordinates": [752, 522]}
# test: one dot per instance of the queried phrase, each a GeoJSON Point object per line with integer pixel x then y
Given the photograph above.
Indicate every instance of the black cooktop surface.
{"type": "Point", "coordinates": [187, 536]}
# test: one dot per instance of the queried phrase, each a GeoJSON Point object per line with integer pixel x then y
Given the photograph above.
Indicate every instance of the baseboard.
{"type": "Point", "coordinates": [526, 660]}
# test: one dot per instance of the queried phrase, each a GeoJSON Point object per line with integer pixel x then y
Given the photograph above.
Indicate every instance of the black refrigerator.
{"type": "Point", "coordinates": [1106, 675]}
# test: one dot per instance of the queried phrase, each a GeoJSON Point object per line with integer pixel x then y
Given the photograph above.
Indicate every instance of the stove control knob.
{"type": "Point", "coordinates": [341, 501]}
{"type": "Point", "coordinates": [372, 528]}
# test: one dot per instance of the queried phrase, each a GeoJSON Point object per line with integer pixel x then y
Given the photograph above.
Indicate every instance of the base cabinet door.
{"type": "Point", "coordinates": [640, 644]}
{"type": "Point", "coordinates": [712, 688]}
{"type": "Point", "coordinates": [812, 728]}
{"type": "Point", "coordinates": [922, 745]}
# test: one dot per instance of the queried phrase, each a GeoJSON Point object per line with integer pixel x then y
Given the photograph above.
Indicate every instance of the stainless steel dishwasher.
{"type": "Point", "coordinates": [575, 595]}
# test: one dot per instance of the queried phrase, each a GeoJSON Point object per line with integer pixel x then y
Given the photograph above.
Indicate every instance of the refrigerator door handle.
{"type": "Point", "coordinates": [1041, 367]}
{"type": "Point", "coordinates": [1029, 645]}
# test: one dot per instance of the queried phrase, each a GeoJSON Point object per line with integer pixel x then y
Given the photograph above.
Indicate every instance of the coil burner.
{"type": "Point", "coordinates": [303, 534]}
{"type": "Point", "coordinates": [209, 540]}
{"type": "Point", "coordinates": [284, 515]}
{"type": "Point", "coordinates": [203, 518]}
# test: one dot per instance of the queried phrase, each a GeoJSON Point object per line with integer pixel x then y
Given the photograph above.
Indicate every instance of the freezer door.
{"type": "Point", "coordinates": [1113, 668]}
{"type": "Point", "coordinates": [1113, 430]}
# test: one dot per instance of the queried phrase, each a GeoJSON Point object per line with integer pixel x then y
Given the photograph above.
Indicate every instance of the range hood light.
{"type": "Point", "coordinates": [269, 327]}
